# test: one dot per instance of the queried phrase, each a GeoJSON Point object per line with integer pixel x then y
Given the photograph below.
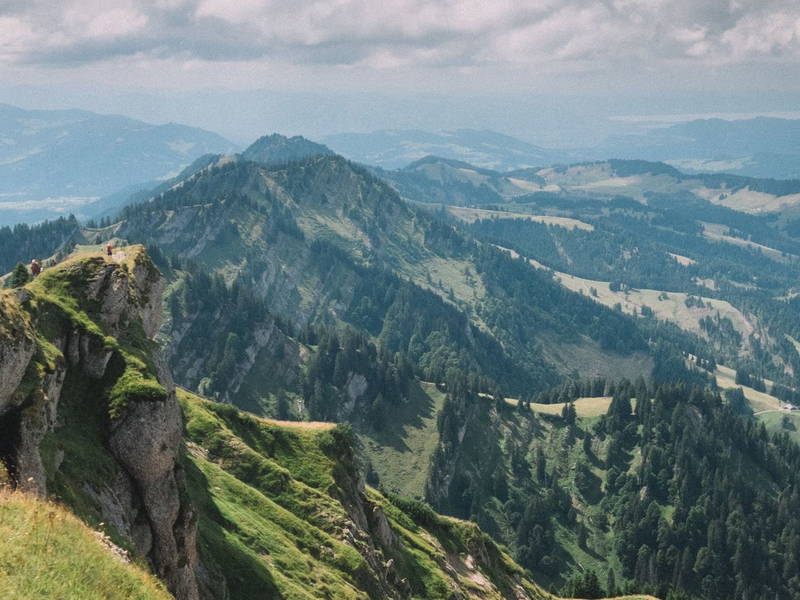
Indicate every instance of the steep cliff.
{"type": "Point", "coordinates": [85, 416]}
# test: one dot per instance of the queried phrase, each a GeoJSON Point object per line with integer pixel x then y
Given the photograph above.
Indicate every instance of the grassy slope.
{"type": "Point", "coordinates": [270, 520]}
{"type": "Point", "coordinates": [584, 407]}
{"type": "Point", "coordinates": [759, 401]}
{"type": "Point", "coordinates": [401, 455]}
{"type": "Point", "coordinates": [470, 215]}
{"type": "Point", "coordinates": [45, 552]}
{"type": "Point", "coordinates": [782, 422]}
{"type": "Point", "coordinates": [719, 233]}
{"type": "Point", "coordinates": [668, 306]}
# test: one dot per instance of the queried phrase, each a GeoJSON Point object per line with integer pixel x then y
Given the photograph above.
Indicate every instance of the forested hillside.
{"type": "Point", "coordinates": [322, 242]}
{"type": "Point", "coordinates": [660, 250]}
{"type": "Point", "coordinates": [670, 490]}
{"type": "Point", "coordinates": [23, 243]}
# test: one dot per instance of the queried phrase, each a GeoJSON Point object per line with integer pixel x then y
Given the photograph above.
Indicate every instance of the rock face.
{"type": "Point", "coordinates": [42, 345]}
{"type": "Point", "coordinates": [146, 441]}
{"type": "Point", "coordinates": [17, 345]}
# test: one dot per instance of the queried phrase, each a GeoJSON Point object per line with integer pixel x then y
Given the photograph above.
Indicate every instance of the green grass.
{"type": "Point", "coordinates": [759, 401]}
{"type": "Point", "coordinates": [296, 557]}
{"type": "Point", "coordinates": [782, 422]}
{"type": "Point", "coordinates": [470, 215]}
{"type": "Point", "coordinates": [400, 455]}
{"type": "Point", "coordinates": [263, 492]}
{"type": "Point", "coordinates": [63, 287]}
{"type": "Point", "coordinates": [584, 407]}
{"type": "Point", "coordinates": [272, 497]}
{"type": "Point", "coordinates": [45, 552]}
{"type": "Point", "coordinates": [133, 385]}
{"type": "Point", "coordinates": [667, 306]}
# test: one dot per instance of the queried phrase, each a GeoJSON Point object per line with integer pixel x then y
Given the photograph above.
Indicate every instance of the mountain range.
{"type": "Point", "coordinates": [587, 371]}
{"type": "Point", "coordinates": [759, 147]}
{"type": "Point", "coordinates": [455, 183]}
{"type": "Point", "coordinates": [56, 162]}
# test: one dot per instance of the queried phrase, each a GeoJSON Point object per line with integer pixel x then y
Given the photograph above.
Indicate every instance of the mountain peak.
{"type": "Point", "coordinates": [277, 149]}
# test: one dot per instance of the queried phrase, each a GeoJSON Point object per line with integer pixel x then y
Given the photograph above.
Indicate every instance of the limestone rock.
{"type": "Point", "coordinates": [17, 346]}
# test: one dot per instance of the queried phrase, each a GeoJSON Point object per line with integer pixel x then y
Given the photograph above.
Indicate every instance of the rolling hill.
{"type": "Point", "coordinates": [445, 181]}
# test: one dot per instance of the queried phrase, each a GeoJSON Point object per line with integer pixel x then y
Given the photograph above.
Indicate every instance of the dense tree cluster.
{"type": "Point", "coordinates": [697, 500]}
{"type": "Point", "coordinates": [23, 243]}
{"type": "Point", "coordinates": [347, 370]}
{"type": "Point", "coordinates": [728, 534]}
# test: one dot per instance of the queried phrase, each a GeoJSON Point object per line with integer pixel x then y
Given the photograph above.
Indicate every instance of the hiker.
{"type": "Point", "coordinates": [36, 268]}
{"type": "Point", "coordinates": [109, 249]}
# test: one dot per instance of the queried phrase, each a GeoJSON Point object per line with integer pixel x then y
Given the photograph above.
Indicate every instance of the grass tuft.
{"type": "Point", "coordinates": [46, 552]}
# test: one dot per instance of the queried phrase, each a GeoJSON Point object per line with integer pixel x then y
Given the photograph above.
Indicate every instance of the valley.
{"type": "Point", "coordinates": [349, 361]}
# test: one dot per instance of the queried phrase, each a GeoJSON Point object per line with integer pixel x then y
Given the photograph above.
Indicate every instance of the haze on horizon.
{"type": "Point", "coordinates": [556, 72]}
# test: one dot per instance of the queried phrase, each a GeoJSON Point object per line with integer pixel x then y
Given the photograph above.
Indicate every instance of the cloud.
{"type": "Point", "coordinates": [401, 33]}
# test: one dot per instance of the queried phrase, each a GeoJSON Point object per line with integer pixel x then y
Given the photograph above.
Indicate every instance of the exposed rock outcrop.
{"type": "Point", "coordinates": [17, 345]}
{"type": "Point", "coordinates": [45, 340]}
{"type": "Point", "coordinates": [146, 440]}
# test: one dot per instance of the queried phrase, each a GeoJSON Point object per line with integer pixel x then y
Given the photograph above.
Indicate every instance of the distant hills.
{"type": "Point", "coordinates": [70, 161]}
{"type": "Point", "coordinates": [392, 149]}
{"type": "Point", "coordinates": [759, 147]}
{"type": "Point", "coordinates": [56, 162]}
{"type": "Point", "coordinates": [445, 181]}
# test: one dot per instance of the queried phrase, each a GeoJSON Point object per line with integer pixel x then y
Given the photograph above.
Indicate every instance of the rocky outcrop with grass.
{"type": "Point", "coordinates": [84, 416]}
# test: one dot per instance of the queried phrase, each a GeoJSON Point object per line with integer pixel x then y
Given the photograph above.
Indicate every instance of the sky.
{"type": "Point", "coordinates": [551, 70]}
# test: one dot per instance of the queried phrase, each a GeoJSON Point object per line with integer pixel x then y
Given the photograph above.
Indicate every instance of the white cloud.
{"type": "Point", "coordinates": [463, 34]}
{"type": "Point", "coordinates": [16, 36]}
{"type": "Point", "coordinates": [115, 23]}
{"type": "Point", "coordinates": [763, 35]}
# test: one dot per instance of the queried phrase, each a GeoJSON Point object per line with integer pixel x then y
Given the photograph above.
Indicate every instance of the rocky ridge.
{"type": "Point", "coordinates": [71, 329]}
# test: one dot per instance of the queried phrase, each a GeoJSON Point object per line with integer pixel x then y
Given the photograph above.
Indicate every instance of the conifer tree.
{"type": "Point", "coordinates": [20, 276]}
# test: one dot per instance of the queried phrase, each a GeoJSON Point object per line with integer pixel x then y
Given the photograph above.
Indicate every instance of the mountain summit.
{"type": "Point", "coordinates": [278, 149]}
